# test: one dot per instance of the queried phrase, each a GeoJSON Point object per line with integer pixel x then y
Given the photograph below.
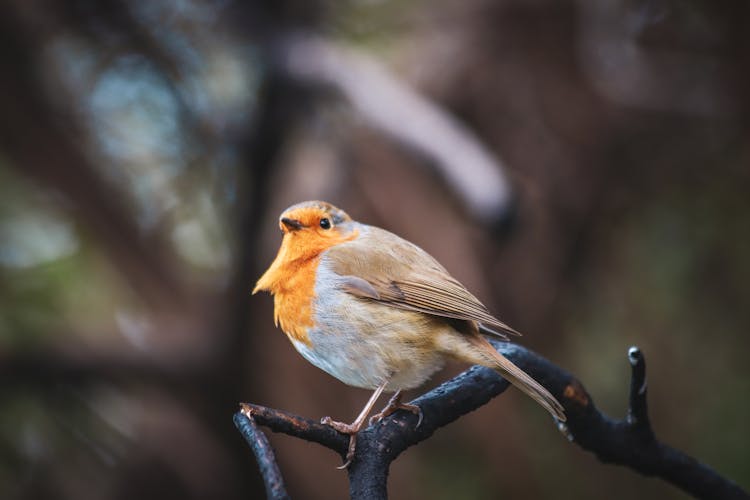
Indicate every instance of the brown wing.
{"type": "Point", "coordinates": [380, 266]}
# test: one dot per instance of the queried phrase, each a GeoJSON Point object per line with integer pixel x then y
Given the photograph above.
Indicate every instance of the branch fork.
{"type": "Point", "coordinates": [630, 441]}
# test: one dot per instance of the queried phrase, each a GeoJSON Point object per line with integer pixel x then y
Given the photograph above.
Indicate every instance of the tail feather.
{"type": "Point", "coordinates": [519, 378]}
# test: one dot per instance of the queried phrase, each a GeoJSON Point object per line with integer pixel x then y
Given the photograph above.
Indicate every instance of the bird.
{"type": "Point", "coordinates": [377, 312]}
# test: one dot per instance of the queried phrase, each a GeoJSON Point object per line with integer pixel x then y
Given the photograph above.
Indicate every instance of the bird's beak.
{"type": "Point", "coordinates": [291, 224]}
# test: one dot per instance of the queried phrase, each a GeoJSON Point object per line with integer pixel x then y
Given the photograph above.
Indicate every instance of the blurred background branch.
{"type": "Point", "coordinates": [388, 105]}
{"type": "Point", "coordinates": [147, 147]}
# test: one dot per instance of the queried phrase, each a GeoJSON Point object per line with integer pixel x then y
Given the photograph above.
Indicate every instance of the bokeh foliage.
{"type": "Point", "coordinates": [146, 149]}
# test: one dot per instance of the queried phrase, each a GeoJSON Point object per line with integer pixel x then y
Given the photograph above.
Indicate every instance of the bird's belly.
{"type": "Point", "coordinates": [364, 344]}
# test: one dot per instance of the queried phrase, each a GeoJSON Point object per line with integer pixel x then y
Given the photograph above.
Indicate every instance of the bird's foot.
{"type": "Point", "coordinates": [341, 427]}
{"type": "Point", "coordinates": [395, 404]}
{"type": "Point", "coordinates": [353, 428]}
{"type": "Point", "coordinates": [344, 428]}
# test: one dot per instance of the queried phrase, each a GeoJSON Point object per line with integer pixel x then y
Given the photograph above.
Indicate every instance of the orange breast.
{"type": "Point", "coordinates": [294, 297]}
{"type": "Point", "coordinates": [291, 278]}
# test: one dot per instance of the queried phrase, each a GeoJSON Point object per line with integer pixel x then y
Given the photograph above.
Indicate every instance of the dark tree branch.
{"type": "Point", "coordinates": [630, 442]}
{"type": "Point", "coordinates": [264, 454]}
{"type": "Point", "coordinates": [294, 425]}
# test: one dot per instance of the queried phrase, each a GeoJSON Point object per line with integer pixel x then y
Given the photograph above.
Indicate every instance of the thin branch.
{"type": "Point", "coordinates": [638, 407]}
{"type": "Point", "coordinates": [263, 454]}
{"type": "Point", "coordinates": [629, 442]}
{"type": "Point", "coordinates": [294, 425]}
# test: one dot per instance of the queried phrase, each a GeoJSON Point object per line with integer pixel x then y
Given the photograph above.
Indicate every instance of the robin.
{"type": "Point", "coordinates": [378, 312]}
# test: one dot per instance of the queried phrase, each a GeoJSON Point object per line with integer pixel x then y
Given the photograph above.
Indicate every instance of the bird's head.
{"type": "Point", "coordinates": [309, 228]}
{"type": "Point", "coordinates": [313, 220]}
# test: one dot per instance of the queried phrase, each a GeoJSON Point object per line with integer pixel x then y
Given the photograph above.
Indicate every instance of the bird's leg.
{"type": "Point", "coordinates": [353, 428]}
{"type": "Point", "coordinates": [395, 404]}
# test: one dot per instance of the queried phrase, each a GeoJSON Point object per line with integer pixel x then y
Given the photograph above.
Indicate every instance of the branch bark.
{"type": "Point", "coordinates": [269, 469]}
{"type": "Point", "coordinates": [630, 442]}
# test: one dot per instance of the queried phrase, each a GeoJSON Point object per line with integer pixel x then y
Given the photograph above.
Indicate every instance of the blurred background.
{"type": "Point", "coordinates": [581, 166]}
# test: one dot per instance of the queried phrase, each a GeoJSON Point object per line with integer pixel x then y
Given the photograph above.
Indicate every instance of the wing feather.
{"type": "Point", "coordinates": [405, 276]}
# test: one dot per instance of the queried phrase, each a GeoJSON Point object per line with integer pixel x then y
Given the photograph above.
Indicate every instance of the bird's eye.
{"type": "Point", "coordinates": [325, 223]}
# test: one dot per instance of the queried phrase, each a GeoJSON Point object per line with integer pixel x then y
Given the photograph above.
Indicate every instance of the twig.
{"type": "Point", "coordinates": [294, 425]}
{"type": "Point", "coordinates": [629, 442]}
{"type": "Point", "coordinates": [638, 408]}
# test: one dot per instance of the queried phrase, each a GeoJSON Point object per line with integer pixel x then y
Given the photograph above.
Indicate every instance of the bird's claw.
{"type": "Point", "coordinates": [344, 428]}
{"type": "Point", "coordinates": [397, 405]}
{"type": "Point", "coordinates": [376, 418]}
{"type": "Point", "coordinates": [420, 417]}
{"type": "Point", "coordinates": [341, 427]}
{"type": "Point", "coordinates": [349, 452]}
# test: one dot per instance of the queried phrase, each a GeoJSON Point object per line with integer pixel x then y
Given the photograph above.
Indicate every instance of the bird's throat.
{"type": "Point", "coordinates": [291, 280]}
{"type": "Point", "coordinates": [293, 299]}
{"type": "Point", "coordinates": [292, 283]}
